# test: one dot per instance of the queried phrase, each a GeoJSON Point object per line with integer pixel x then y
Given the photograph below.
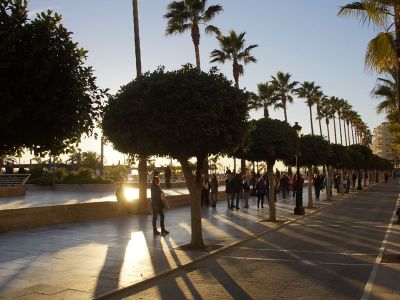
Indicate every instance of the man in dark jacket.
{"type": "Point", "coordinates": [236, 188]}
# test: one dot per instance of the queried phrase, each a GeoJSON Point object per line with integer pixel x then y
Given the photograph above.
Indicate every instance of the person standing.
{"type": "Point", "coordinates": [168, 177]}
{"type": "Point", "coordinates": [318, 181]}
{"type": "Point", "coordinates": [235, 193]}
{"type": "Point", "coordinates": [284, 185]}
{"type": "Point", "coordinates": [246, 191]}
{"type": "Point", "coordinates": [157, 206]}
{"type": "Point", "coordinates": [228, 188]}
{"type": "Point", "coordinates": [260, 191]}
{"type": "Point", "coordinates": [205, 192]}
{"type": "Point", "coordinates": [214, 190]}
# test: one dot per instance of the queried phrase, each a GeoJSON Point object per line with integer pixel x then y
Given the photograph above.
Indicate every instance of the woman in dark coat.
{"type": "Point", "coordinates": [157, 205]}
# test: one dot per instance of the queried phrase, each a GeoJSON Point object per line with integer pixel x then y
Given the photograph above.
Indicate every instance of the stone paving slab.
{"type": "Point", "coordinates": [87, 259]}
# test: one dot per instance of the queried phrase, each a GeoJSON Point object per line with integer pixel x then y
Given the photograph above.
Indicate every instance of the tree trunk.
{"type": "Point", "coordinates": [194, 187]}
{"type": "Point", "coordinates": [365, 178]}
{"type": "Point", "coordinates": [236, 72]}
{"type": "Point", "coordinates": [311, 122]}
{"type": "Point", "coordinates": [266, 112]}
{"type": "Point", "coordinates": [359, 187]}
{"type": "Point", "coordinates": [328, 183]}
{"type": "Point", "coordinates": [348, 132]}
{"type": "Point", "coordinates": [334, 129]}
{"type": "Point", "coordinates": [319, 120]}
{"type": "Point", "coordinates": [341, 187]}
{"type": "Point", "coordinates": [284, 111]}
{"type": "Point", "coordinates": [271, 198]}
{"type": "Point", "coordinates": [340, 131]}
{"type": "Point", "coordinates": [352, 133]}
{"type": "Point", "coordinates": [142, 206]}
{"type": "Point", "coordinates": [137, 39]}
{"type": "Point", "coordinates": [397, 43]}
{"type": "Point", "coordinates": [344, 130]}
{"type": "Point", "coordinates": [310, 178]}
{"type": "Point", "coordinates": [327, 129]}
{"type": "Point", "coordinates": [196, 43]}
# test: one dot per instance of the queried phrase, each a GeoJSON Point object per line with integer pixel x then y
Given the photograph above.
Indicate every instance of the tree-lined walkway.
{"type": "Point", "coordinates": [333, 254]}
{"type": "Point", "coordinates": [91, 258]}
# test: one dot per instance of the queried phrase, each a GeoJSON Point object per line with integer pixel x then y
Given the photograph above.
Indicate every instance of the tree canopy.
{"type": "Point", "coordinates": [50, 97]}
{"type": "Point", "coordinates": [314, 150]}
{"type": "Point", "coordinates": [162, 111]}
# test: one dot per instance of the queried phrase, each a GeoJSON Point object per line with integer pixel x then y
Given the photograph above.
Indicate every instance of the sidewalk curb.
{"type": "Point", "coordinates": [215, 252]}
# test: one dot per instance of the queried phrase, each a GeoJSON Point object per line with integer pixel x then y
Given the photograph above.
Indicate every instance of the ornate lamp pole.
{"type": "Point", "coordinates": [299, 209]}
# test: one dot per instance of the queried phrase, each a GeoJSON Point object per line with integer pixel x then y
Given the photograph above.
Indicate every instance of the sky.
{"type": "Point", "coordinates": [305, 38]}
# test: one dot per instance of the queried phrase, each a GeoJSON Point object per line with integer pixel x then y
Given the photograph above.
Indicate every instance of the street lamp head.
{"type": "Point", "coordinates": [297, 127]}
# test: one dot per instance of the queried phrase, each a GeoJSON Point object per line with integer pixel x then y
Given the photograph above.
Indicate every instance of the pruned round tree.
{"type": "Point", "coordinates": [270, 140]}
{"type": "Point", "coordinates": [314, 150]}
{"type": "Point", "coordinates": [48, 94]}
{"type": "Point", "coordinates": [182, 114]}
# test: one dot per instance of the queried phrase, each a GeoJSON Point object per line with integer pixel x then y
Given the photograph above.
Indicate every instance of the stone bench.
{"type": "Point", "coordinates": [12, 185]}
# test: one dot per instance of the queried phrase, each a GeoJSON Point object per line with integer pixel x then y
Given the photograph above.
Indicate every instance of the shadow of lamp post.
{"type": "Point", "coordinates": [299, 209]}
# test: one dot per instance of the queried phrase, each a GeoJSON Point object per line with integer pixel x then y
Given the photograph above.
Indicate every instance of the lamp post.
{"type": "Point", "coordinates": [299, 209]}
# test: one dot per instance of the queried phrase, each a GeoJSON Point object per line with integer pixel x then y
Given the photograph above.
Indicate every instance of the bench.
{"type": "Point", "coordinates": [13, 184]}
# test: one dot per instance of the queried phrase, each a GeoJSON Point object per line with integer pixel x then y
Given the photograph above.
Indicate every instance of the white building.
{"type": "Point", "coordinates": [382, 142]}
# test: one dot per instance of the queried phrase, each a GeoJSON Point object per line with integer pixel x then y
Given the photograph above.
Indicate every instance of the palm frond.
{"type": "Point", "coordinates": [367, 11]}
{"type": "Point", "coordinates": [381, 53]}
{"type": "Point", "coordinates": [210, 29]}
{"type": "Point", "coordinates": [211, 12]}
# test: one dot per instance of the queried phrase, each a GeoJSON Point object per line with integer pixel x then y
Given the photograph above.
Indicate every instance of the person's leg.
{"type": "Point", "coordinates": [258, 200]}
{"type": "Point", "coordinates": [162, 218]}
{"type": "Point", "coordinates": [228, 199]}
{"type": "Point", "coordinates": [232, 199]}
{"type": "Point", "coordinates": [246, 199]}
{"type": "Point", "coordinates": [155, 213]}
{"type": "Point", "coordinates": [262, 200]}
{"type": "Point", "coordinates": [237, 200]}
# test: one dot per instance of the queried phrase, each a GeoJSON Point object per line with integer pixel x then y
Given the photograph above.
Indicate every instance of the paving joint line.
{"type": "Point", "coordinates": [150, 279]}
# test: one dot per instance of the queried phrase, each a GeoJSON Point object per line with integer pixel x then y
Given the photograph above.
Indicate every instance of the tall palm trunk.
{"type": "Point", "coordinates": [266, 112]}
{"type": "Point", "coordinates": [196, 42]}
{"type": "Point", "coordinates": [236, 72]}
{"type": "Point", "coordinates": [142, 206]}
{"type": "Point", "coordinates": [345, 134]}
{"type": "Point", "coordinates": [334, 129]}
{"type": "Point", "coordinates": [327, 129]}
{"type": "Point", "coordinates": [311, 122]}
{"type": "Point", "coordinates": [340, 131]}
{"type": "Point", "coordinates": [397, 44]}
{"type": "Point", "coordinates": [348, 132]}
{"type": "Point", "coordinates": [352, 133]}
{"type": "Point", "coordinates": [319, 120]}
{"type": "Point", "coordinates": [284, 110]}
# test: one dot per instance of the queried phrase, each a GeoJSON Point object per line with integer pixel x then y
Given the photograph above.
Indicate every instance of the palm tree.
{"type": "Point", "coordinates": [189, 15]}
{"type": "Point", "coordinates": [383, 51]}
{"type": "Point", "coordinates": [233, 49]}
{"type": "Point", "coordinates": [266, 98]}
{"type": "Point", "coordinates": [385, 89]}
{"type": "Point", "coordinates": [335, 102]}
{"type": "Point", "coordinates": [284, 88]}
{"type": "Point", "coordinates": [91, 159]}
{"type": "Point", "coordinates": [320, 97]}
{"type": "Point", "coordinates": [309, 91]}
{"type": "Point", "coordinates": [327, 112]}
{"type": "Point", "coordinates": [346, 107]}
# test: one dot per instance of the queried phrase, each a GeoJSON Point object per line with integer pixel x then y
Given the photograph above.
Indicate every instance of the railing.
{"type": "Point", "coordinates": [13, 180]}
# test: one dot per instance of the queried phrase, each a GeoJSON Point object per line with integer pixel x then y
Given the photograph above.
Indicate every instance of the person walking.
{"type": "Point", "coordinates": [157, 206]}
{"type": "Point", "coordinates": [246, 191]}
{"type": "Point", "coordinates": [168, 177]}
{"type": "Point", "coordinates": [284, 184]}
{"type": "Point", "coordinates": [318, 182]}
{"type": "Point", "coordinates": [235, 192]}
{"type": "Point", "coordinates": [214, 190]}
{"type": "Point", "coordinates": [261, 190]}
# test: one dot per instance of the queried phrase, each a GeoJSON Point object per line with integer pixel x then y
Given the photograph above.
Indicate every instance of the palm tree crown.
{"type": "Point", "coordinates": [188, 15]}
{"type": "Point", "coordinates": [266, 97]}
{"type": "Point", "coordinates": [233, 49]}
{"type": "Point", "coordinates": [284, 88]}
{"type": "Point", "coordinates": [309, 91]}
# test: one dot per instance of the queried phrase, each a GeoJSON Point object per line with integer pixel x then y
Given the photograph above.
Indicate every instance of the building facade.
{"type": "Point", "coordinates": [382, 142]}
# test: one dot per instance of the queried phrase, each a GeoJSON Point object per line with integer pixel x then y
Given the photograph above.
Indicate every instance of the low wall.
{"type": "Point", "coordinates": [12, 191]}
{"type": "Point", "coordinates": [24, 218]}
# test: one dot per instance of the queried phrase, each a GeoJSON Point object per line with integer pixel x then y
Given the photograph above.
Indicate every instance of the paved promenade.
{"type": "Point", "coordinates": [85, 260]}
